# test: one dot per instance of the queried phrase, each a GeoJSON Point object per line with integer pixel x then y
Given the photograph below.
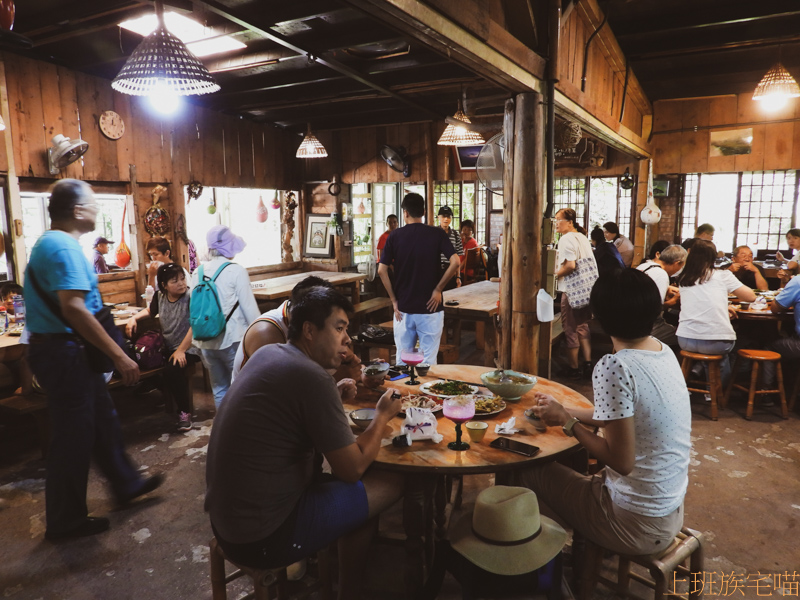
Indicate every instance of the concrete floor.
{"type": "Point", "coordinates": [744, 495]}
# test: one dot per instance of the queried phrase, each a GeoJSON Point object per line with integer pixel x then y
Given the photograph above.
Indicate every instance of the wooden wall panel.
{"type": "Point", "coordinates": [70, 122]}
{"type": "Point", "coordinates": [722, 110]}
{"type": "Point", "coordinates": [694, 144]}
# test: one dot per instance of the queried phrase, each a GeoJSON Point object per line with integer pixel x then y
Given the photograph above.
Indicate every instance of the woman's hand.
{"type": "Point", "coordinates": [178, 358]}
{"type": "Point", "coordinates": [550, 410]}
{"type": "Point", "coordinates": [130, 327]}
{"type": "Point", "coordinates": [779, 255]}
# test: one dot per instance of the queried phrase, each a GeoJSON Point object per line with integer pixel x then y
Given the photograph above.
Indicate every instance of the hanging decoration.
{"type": "Point", "coordinates": [568, 134]}
{"type": "Point", "coordinates": [262, 214]}
{"type": "Point", "coordinates": [194, 190]}
{"type": "Point", "coordinates": [276, 203]}
{"type": "Point", "coordinates": [156, 219]}
{"type": "Point", "coordinates": [123, 253]}
{"type": "Point", "coordinates": [650, 214]}
{"type": "Point", "coordinates": [361, 209]}
{"type": "Point", "coordinates": [288, 222]}
{"type": "Point", "coordinates": [212, 205]}
{"type": "Point", "coordinates": [180, 231]}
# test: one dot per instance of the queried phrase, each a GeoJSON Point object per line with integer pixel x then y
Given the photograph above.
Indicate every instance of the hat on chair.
{"type": "Point", "coordinates": [505, 533]}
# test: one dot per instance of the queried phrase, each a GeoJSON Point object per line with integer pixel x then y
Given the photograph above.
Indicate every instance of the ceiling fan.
{"type": "Point", "coordinates": [397, 159]}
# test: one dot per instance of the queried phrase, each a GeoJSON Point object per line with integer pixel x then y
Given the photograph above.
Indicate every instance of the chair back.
{"type": "Point", "coordinates": [474, 267]}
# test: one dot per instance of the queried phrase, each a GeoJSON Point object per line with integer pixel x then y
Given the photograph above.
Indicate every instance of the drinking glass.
{"type": "Point", "coordinates": [459, 409]}
{"type": "Point", "coordinates": [412, 357]}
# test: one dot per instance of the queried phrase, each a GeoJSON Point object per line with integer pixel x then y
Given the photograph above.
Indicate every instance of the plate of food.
{"type": "Point", "coordinates": [447, 389]}
{"type": "Point", "coordinates": [487, 406]}
{"type": "Point", "coordinates": [419, 401]}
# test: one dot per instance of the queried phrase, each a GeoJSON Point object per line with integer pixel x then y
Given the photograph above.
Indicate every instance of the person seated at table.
{"type": "Point", "coordinates": [656, 249]}
{"type": "Point", "coordinates": [635, 504]}
{"type": "Point", "coordinates": [743, 268]}
{"type": "Point", "coordinates": [705, 322]}
{"type": "Point", "coordinates": [7, 293]}
{"type": "Point", "coordinates": [793, 240]}
{"type": "Point", "coordinates": [606, 254]}
{"type": "Point", "coordinates": [705, 232]}
{"type": "Point", "coordinates": [392, 223]}
{"type": "Point", "coordinates": [100, 247]}
{"type": "Point", "coordinates": [467, 243]}
{"type": "Point", "coordinates": [268, 502]}
{"type": "Point", "coordinates": [160, 253]}
{"type": "Point", "coordinates": [660, 269]}
{"type": "Point", "coordinates": [21, 367]}
{"type": "Point", "coordinates": [623, 244]}
{"type": "Point", "coordinates": [789, 345]}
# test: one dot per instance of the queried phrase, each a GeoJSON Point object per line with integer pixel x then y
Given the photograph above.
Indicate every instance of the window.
{"type": "Point", "coordinates": [766, 208]}
{"type": "Point", "coordinates": [363, 245]}
{"type": "Point", "coordinates": [691, 189]}
{"type": "Point", "coordinates": [36, 220]}
{"type": "Point", "coordinates": [447, 193]}
{"type": "Point", "coordinates": [570, 192]}
{"type": "Point", "coordinates": [625, 204]}
{"type": "Point", "coordinates": [237, 208]}
{"type": "Point", "coordinates": [481, 209]}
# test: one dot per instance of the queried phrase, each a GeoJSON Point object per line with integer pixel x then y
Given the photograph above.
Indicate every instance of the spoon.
{"type": "Point", "coordinates": [501, 372]}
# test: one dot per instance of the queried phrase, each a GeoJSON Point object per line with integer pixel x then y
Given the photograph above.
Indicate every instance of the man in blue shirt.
{"type": "Point", "coordinates": [83, 420]}
{"type": "Point", "coordinates": [788, 347]}
{"type": "Point", "coordinates": [416, 294]}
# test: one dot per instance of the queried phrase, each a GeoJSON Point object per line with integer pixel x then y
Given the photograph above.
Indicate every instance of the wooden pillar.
{"type": "Point", "coordinates": [430, 173]}
{"type": "Point", "coordinates": [505, 269]}
{"type": "Point", "coordinates": [641, 240]}
{"type": "Point", "coordinates": [528, 199]}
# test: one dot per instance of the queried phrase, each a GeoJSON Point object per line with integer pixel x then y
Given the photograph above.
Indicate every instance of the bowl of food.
{"type": "Point", "coordinates": [422, 369]}
{"type": "Point", "coordinates": [509, 385]}
{"type": "Point", "coordinates": [744, 306]}
{"type": "Point", "coordinates": [374, 374]}
{"type": "Point", "coordinates": [362, 417]}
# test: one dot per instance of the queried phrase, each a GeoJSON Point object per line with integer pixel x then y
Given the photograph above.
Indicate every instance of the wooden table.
{"type": "Point", "coordinates": [425, 463]}
{"type": "Point", "coordinates": [476, 302]}
{"type": "Point", "coordinates": [280, 288]}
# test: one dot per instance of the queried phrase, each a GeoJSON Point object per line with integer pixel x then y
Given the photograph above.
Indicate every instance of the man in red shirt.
{"type": "Point", "coordinates": [468, 242]}
{"type": "Point", "coordinates": [391, 222]}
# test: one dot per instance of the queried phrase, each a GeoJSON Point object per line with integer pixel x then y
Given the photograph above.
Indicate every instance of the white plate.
{"type": "Point", "coordinates": [425, 388]}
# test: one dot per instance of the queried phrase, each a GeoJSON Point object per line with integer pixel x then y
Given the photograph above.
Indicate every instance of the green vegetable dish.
{"type": "Point", "coordinates": [451, 388]}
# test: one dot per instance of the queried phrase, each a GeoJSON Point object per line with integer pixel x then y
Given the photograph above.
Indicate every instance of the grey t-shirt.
{"type": "Point", "coordinates": [173, 317]}
{"type": "Point", "coordinates": [279, 410]}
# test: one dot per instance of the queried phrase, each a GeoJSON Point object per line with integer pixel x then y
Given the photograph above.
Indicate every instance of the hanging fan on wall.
{"type": "Point", "coordinates": [397, 159]}
{"type": "Point", "coordinates": [369, 268]}
{"type": "Point", "coordinates": [490, 164]}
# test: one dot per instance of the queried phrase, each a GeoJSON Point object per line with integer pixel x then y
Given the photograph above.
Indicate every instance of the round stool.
{"type": "Point", "coordinates": [757, 357]}
{"type": "Point", "coordinates": [713, 386]}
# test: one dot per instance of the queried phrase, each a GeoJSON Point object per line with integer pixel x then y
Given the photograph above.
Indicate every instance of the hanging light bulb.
{"type": "Point", "coordinates": [776, 87]}
{"type": "Point", "coordinates": [311, 147]}
{"type": "Point", "coordinates": [454, 135]}
{"type": "Point", "coordinates": [163, 98]}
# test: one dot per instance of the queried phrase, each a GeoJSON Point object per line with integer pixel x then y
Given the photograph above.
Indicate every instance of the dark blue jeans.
{"type": "Point", "coordinates": [83, 425]}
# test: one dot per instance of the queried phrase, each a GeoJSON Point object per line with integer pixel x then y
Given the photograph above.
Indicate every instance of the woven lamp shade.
{"type": "Point", "coordinates": [777, 82]}
{"type": "Point", "coordinates": [163, 61]}
{"type": "Point", "coordinates": [458, 136]}
{"type": "Point", "coordinates": [311, 147]}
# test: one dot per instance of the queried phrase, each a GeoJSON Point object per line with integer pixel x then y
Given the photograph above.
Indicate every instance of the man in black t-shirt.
{"type": "Point", "coordinates": [416, 295]}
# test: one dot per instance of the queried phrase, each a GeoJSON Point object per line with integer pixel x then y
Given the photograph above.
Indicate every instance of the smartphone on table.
{"type": "Point", "coordinates": [394, 374]}
{"type": "Point", "coordinates": [514, 446]}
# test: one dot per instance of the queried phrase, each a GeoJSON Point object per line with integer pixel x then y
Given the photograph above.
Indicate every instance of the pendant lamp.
{"type": "Point", "coordinates": [311, 147]}
{"type": "Point", "coordinates": [776, 87]}
{"type": "Point", "coordinates": [460, 136]}
{"type": "Point", "coordinates": [162, 64]}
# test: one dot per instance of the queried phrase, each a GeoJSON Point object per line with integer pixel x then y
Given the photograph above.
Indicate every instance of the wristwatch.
{"type": "Point", "coordinates": [569, 426]}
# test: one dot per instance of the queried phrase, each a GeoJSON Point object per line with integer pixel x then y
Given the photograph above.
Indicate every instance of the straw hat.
{"type": "Point", "coordinates": [505, 533]}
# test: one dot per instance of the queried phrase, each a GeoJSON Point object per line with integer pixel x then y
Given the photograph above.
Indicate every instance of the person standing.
{"type": "Point", "coordinates": [391, 223]}
{"type": "Point", "coordinates": [100, 250]}
{"type": "Point", "coordinates": [623, 244]}
{"type": "Point", "coordinates": [416, 296]}
{"type": "Point", "coordinates": [445, 217]}
{"type": "Point", "coordinates": [572, 247]}
{"type": "Point", "coordinates": [606, 254]}
{"type": "Point", "coordinates": [237, 302]}
{"type": "Point", "coordinates": [62, 297]}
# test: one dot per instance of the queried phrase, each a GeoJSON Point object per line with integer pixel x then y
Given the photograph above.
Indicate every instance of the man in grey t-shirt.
{"type": "Point", "coordinates": [268, 501]}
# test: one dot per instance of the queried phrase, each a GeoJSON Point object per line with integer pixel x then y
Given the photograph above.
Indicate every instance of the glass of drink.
{"type": "Point", "coordinates": [412, 357]}
{"type": "Point", "coordinates": [459, 409]}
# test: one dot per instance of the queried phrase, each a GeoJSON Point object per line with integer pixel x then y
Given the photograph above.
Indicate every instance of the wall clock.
{"type": "Point", "coordinates": [111, 125]}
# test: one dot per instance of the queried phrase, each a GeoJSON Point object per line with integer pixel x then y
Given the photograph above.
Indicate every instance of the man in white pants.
{"type": "Point", "coordinates": [416, 296]}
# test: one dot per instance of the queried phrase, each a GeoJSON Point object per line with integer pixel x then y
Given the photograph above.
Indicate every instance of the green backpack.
{"type": "Point", "coordinates": [205, 311]}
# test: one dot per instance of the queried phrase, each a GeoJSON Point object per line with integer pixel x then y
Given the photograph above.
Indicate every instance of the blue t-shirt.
{"type": "Point", "coordinates": [58, 262]}
{"type": "Point", "coordinates": [790, 297]}
{"type": "Point", "coordinates": [414, 250]}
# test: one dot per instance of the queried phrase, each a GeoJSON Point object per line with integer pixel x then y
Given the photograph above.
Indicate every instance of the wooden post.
{"type": "Point", "coordinates": [430, 173]}
{"type": "Point", "coordinates": [505, 269]}
{"type": "Point", "coordinates": [528, 199]}
{"type": "Point", "coordinates": [640, 231]}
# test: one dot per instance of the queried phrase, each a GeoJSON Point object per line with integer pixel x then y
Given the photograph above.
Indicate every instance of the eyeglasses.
{"type": "Point", "coordinates": [561, 220]}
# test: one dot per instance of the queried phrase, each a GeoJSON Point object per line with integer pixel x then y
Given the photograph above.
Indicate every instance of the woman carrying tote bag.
{"type": "Point", "coordinates": [576, 272]}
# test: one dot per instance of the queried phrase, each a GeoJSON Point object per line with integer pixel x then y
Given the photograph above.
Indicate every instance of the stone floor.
{"type": "Point", "coordinates": [744, 495]}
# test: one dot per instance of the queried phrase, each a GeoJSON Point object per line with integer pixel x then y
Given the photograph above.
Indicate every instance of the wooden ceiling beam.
{"type": "Point", "coordinates": [223, 11]}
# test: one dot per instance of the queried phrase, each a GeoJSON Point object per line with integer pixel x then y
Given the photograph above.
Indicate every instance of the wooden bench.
{"type": "Point", "coordinates": [36, 404]}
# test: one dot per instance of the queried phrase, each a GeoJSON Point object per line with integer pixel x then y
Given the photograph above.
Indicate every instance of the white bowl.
{"type": "Point", "coordinates": [362, 417]}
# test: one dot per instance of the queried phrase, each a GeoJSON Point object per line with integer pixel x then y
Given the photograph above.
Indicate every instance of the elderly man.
{"type": "Point", "coordinates": [745, 271]}
{"type": "Point", "coordinates": [100, 250]}
{"type": "Point", "coordinates": [268, 501]}
{"type": "Point", "coordinates": [62, 299]}
{"type": "Point", "coordinates": [665, 264]}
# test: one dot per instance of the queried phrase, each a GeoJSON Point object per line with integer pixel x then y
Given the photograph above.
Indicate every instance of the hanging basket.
{"type": "Point", "coordinates": [156, 219]}
{"type": "Point", "coordinates": [568, 134]}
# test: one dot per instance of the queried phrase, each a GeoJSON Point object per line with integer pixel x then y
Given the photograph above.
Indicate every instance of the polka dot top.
{"type": "Point", "coordinates": [649, 387]}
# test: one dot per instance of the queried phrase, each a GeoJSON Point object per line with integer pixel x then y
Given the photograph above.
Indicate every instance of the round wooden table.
{"type": "Point", "coordinates": [426, 464]}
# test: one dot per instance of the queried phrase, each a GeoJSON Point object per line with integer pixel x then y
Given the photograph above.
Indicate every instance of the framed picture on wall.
{"type": "Point", "coordinates": [660, 188]}
{"type": "Point", "coordinates": [467, 157]}
{"type": "Point", "coordinates": [318, 242]}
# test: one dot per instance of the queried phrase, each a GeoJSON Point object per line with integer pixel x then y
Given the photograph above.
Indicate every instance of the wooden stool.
{"type": "Point", "coordinates": [688, 544]}
{"type": "Point", "coordinates": [714, 384]}
{"type": "Point", "coordinates": [265, 581]}
{"type": "Point", "coordinates": [757, 357]}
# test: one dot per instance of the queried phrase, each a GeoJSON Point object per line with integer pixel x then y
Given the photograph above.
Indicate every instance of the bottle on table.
{"type": "Point", "coordinates": [3, 319]}
{"type": "Point", "coordinates": [149, 292]}
{"type": "Point", "coordinates": [19, 310]}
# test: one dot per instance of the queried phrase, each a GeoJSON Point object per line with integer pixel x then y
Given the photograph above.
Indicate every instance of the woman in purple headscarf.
{"type": "Point", "coordinates": [237, 300]}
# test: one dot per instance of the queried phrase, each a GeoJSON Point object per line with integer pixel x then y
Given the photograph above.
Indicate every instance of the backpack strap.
{"type": "Point", "coordinates": [214, 279]}
{"type": "Point", "coordinates": [650, 267]}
